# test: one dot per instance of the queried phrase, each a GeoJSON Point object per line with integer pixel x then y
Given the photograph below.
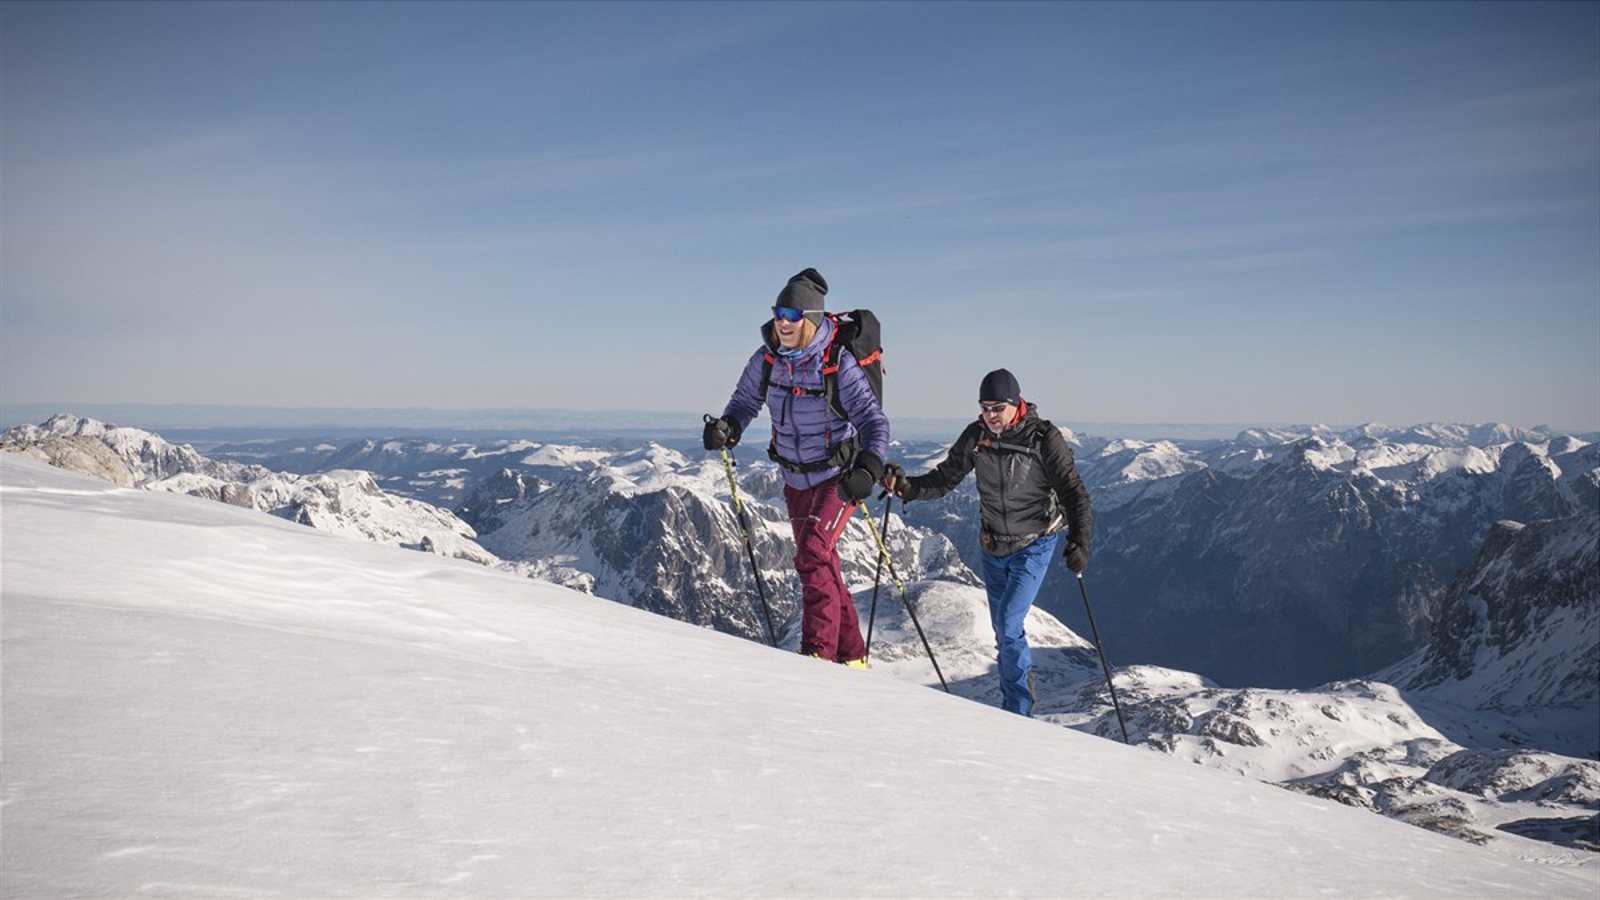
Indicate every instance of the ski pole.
{"type": "Point", "coordinates": [877, 580]}
{"type": "Point", "coordinates": [883, 557]}
{"type": "Point", "coordinates": [1104, 663]}
{"type": "Point", "coordinates": [749, 547]}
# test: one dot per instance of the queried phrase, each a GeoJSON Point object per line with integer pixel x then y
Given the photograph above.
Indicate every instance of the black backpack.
{"type": "Point", "coordinates": [857, 331]}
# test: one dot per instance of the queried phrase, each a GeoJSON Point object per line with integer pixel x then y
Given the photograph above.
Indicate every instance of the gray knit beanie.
{"type": "Point", "coordinates": [804, 292]}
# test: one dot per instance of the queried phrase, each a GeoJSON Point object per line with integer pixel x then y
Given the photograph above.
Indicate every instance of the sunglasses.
{"type": "Point", "coordinates": [787, 313]}
{"type": "Point", "coordinates": [992, 408]}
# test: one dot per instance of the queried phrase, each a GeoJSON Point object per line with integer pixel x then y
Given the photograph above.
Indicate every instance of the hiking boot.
{"type": "Point", "coordinates": [855, 663]}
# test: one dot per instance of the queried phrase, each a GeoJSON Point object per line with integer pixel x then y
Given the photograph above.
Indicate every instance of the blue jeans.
{"type": "Point", "coordinates": [1013, 581]}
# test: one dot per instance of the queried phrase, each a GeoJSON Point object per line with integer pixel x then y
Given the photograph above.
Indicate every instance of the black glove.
{"type": "Point", "coordinates": [721, 433]}
{"type": "Point", "coordinates": [1077, 557]}
{"type": "Point", "coordinates": [856, 485]}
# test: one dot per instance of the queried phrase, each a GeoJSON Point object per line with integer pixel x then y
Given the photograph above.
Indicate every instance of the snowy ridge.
{"type": "Point", "coordinates": [1272, 437]}
{"type": "Point", "coordinates": [340, 501]}
{"type": "Point", "coordinates": [1272, 735]}
{"type": "Point", "coordinates": [343, 502]}
{"type": "Point", "coordinates": [382, 723]}
{"type": "Point", "coordinates": [1125, 469]}
{"type": "Point", "coordinates": [125, 456]}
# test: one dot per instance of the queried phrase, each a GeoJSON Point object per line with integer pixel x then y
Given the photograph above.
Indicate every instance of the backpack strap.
{"type": "Point", "coordinates": [830, 356]}
{"type": "Point", "coordinates": [830, 369]}
{"type": "Point", "coordinates": [987, 442]}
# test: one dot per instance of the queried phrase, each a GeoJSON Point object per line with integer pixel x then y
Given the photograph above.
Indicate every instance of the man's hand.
{"type": "Point", "coordinates": [892, 473]}
{"type": "Point", "coordinates": [895, 482]}
{"type": "Point", "coordinates": [1077, 557]}
{"type": "Point", "coordinates": [721, 433]}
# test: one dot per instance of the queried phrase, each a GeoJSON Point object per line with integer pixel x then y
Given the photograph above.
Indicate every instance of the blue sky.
{"type": "Point", "coordinates": [1186, 212]}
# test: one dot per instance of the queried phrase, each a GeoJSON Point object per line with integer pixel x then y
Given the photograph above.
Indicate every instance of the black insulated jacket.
{"type": "Point", "coordinates": [1028, 485]}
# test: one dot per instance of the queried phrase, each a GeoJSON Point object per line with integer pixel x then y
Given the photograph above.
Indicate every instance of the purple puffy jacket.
{"type": "Point", "coordinates": [805, 427]}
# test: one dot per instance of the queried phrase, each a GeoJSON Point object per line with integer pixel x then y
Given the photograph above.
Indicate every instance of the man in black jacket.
{"type": "Point", "coordinates": [1028, 493]}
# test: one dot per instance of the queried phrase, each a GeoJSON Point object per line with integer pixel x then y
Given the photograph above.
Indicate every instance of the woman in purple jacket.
{"type": "Point", "coordinates": [830, 463]}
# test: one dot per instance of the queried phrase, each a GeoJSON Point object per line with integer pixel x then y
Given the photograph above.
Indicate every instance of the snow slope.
{"type": "Point", "coordinates": [203, 701]}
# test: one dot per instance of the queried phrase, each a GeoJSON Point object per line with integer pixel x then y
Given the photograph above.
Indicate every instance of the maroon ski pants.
{"type": "Point", "coordinates": [829, 627]}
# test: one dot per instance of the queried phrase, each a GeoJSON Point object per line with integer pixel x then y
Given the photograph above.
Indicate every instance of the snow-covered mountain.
{"type": "Point", "coordinates": [440, 472]}
{"type": "Point", "coordinates": [340, 501]}
{"type": "Point", "coordinates": [126, 456]}
{"type": "Point", "coordinates": [205, 701]}
{"type": "Point", "coordinates": [1517, 639]}
{"type": "Point", "coordinates": [1326, 559]}
{"type": "Point", "coordinates": [653, 528]}
{"type": "Point", "coordinates": [1450, 434]}
{"type": "Point", "coordinates": [1124, 470]}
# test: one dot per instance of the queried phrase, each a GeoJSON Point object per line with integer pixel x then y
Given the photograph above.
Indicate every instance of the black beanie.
{"type": "Point", "coordinates": [804, 292]}
{"type": "Point", "coordinates": [1000, 385]}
